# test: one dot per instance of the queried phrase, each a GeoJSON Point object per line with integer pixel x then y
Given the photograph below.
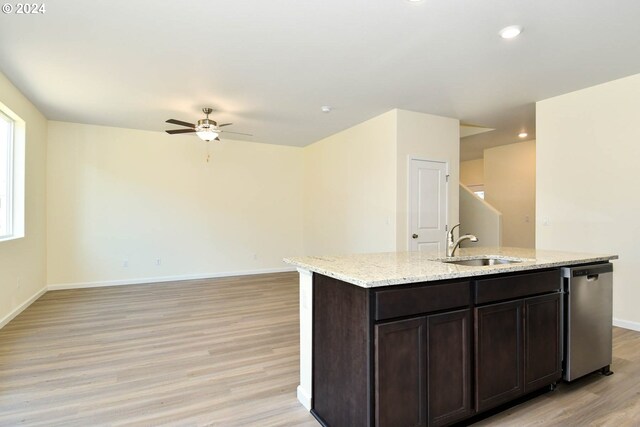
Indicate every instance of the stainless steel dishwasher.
{"type": "Point", "coordinates": [588, 295]}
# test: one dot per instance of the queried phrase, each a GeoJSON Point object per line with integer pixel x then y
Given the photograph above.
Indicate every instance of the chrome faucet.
{"type": "Point", "coordinates": [452, 246]}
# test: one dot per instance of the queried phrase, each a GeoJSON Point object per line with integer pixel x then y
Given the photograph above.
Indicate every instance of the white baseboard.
{"type": "Point", "coordinates": [634, 326]}
{"type": "Point", "coordinates": [303, 397]}
{"type": "Point", "coordinates": [19, 309]}
{"type": "Point", "coordinates": [148, 280]}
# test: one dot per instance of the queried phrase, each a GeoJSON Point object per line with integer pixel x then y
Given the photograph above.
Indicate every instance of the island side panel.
{"type": "Point", "coordinates": [304, 391]}
{"type": "Point", "coordinates": [341, 353]}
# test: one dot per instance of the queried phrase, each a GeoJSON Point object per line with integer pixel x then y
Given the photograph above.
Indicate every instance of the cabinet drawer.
{"type": "Point", "coordinates": [422, 299]}
{"type": "Point", "coordinates": [516, 286]}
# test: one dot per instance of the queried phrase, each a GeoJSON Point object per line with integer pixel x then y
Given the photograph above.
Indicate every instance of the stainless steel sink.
{"type": "Point", "coordinates": [480, 261]}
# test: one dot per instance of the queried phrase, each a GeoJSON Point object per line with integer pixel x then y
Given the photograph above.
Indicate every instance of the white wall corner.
{"type": "Point", "coordinates": [19, 309]}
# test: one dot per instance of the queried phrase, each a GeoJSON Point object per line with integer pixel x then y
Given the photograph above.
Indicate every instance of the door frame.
{"type": "Point", "coordinates": [410, 187]}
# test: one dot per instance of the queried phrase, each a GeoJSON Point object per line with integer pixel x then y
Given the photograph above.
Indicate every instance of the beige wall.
{"type": "Point", "coordinates": [356, 181]}
{"type": "Point", "coordinates": [122, 196]}
{"type": "Point", "coordinates": [587, 191]}
{"type": "Point", "coordinates": [472, 172]}
{"type": "Point", "coordinates": [479, 218]}
{"type": "Point", "coordinates": [350, 189]}
{"type": "Point", "coordinates": [23, 261]}
{"type": "Point", "coordinates": [119, 195]}
{"type": "Point", "coordinates": [510, 187]}
{"type": "Point", "coordinates": [431, 138]}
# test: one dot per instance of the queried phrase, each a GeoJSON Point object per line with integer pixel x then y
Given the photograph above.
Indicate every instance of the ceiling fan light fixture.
{"type": "Point", "coordinates": [206, 129]}
{"type": "Point", "coordinates": [207, 134]}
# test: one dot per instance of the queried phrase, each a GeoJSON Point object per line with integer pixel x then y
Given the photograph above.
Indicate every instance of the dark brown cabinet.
{"type": "Point", "coordinates": [517, 348]}
{"type": "Point", "coordinates": [449, 367]}
{"type": "Point", "coordinates": [432, 354]}
{"type": "Point", "coordinates": [423, 370]}
{"type": "Point", "coordinates": [400, 373]}
{"type": "Point", "coordinates": [341, 353]}
{"type": "Point", "coordinates": [499, 354]}
{"type": "Point", "coordinates": [542, 336]}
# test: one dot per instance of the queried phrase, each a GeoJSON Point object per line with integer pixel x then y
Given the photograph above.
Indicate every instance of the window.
{"type": "Point", "coordinates": [11, 175]}
{"type": "Point", "coordinates": [6, 174]}
{"type": "Point", "coordinates": [478, 190]}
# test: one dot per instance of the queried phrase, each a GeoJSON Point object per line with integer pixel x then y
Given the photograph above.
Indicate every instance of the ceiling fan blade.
{"type": "Point", "coordinates": [225, 124]}
{"type": "Point", "coordinates": [237, 133]}
{"type": "Point", "coordinates": [181, 123]}
{"type": "Point", "coordinates": [174, 131]}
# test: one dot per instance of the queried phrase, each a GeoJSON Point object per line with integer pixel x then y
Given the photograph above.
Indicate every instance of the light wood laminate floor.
{"type": "Point", "coordinates": [220, 352]}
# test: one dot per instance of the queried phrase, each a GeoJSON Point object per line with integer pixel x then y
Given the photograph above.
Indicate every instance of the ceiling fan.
{"type": "Point", "coordinates": [207, 129]}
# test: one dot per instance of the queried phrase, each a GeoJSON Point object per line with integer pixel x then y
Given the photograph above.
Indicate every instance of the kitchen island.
{"type": "Point", "coordinates": [416, 339]}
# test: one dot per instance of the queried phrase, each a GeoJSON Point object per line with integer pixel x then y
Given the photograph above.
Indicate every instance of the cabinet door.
{"type": "Point", "coordinates": [542, 341]}
{"type": "Point", "coordinates": [449, 367]}
{"type": "Point", "coordinates": [499, 354]}
{"type": "Point", "coordinates": [400, 373]}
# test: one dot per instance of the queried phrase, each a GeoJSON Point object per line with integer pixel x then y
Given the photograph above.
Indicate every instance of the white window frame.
{"type": "Point", "coordinates": [16, 176]}
{"type": "Point", "coordinates": [477, 188]}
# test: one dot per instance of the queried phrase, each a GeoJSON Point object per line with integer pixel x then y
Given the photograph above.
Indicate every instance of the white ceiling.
{"type": "Point", "coordinates": [268, 66]}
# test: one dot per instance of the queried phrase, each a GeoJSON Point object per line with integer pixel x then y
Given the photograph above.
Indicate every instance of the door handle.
{"type": "Point", "coordinates": [415, 236]}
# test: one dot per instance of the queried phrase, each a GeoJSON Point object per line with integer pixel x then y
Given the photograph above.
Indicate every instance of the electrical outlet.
{"type": "Point", "coordinates": [158, 261]}
{"type": "Point", "coordinates": [255, 256]}
{"type": "Point", "coordinates": [125, 263]}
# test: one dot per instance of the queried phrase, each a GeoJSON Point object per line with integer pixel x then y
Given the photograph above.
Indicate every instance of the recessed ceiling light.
{"type": "Point", "coordinates": [523, 135]}
{"type": "Point", "coordinates": [510, 32]}
{"type": "Point", "coordinates": [414, 1]}
{"type": "Point", "coordinates": [325, 109]}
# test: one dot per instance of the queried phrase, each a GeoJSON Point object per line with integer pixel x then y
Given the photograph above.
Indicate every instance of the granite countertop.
{"type": "Point", "coordinates": [396, 268]}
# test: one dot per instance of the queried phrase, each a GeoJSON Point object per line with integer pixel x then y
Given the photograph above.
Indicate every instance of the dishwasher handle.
{"type": "Point", "coordinates": [591, 271]}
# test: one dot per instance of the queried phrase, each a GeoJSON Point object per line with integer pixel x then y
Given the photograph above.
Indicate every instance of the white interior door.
{"type": "Point", "coordinates": [427, 205]}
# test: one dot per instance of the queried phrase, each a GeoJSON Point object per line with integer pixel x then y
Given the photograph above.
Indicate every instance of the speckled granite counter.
{"type": "Point", "coordinates": [395, 268]}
